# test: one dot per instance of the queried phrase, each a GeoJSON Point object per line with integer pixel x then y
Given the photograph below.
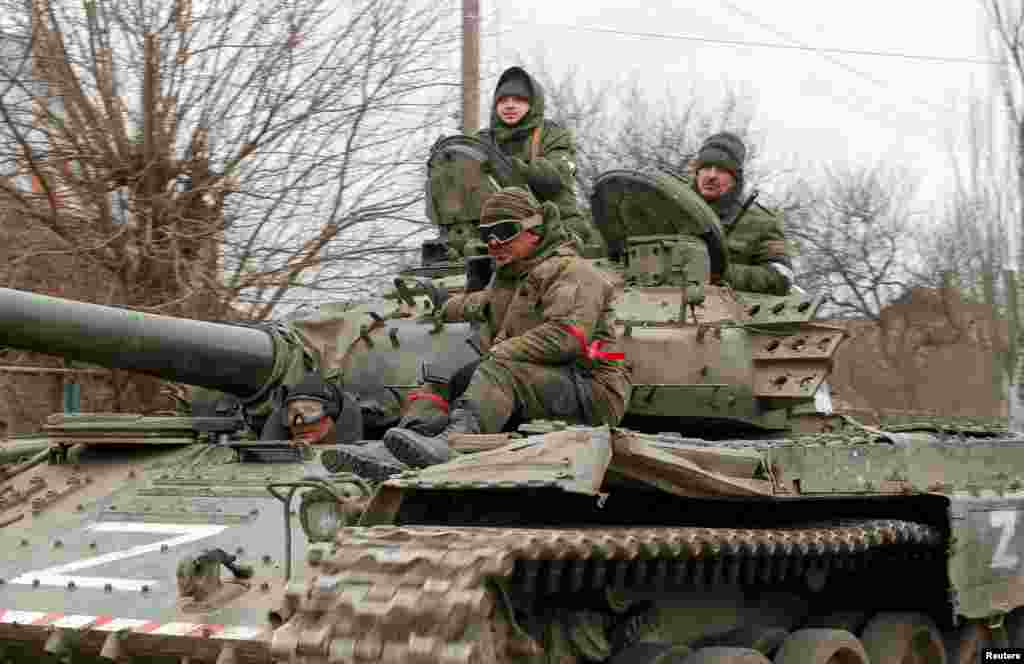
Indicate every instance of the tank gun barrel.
{"type": "Point", "coordinates": [233, 359]}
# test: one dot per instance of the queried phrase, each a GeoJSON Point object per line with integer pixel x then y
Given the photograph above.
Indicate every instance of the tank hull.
{"type": "Point", "coordinates": [729, 537]}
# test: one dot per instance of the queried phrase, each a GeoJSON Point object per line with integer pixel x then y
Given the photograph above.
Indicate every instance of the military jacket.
{"type": "Point", "coordinates": [548, 151]}
{"type": "Point", "coordinates": [755, 242]}
{"type": "Point", "coordinates": [555, 163]}
{"type": "Point", "coordinates": [557, 311]}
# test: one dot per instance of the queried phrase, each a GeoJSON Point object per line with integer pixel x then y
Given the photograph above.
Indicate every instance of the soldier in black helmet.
{"type": "Point", "coordinates": [759, 256]}
{"type": "Point", "coordinates": [314, 411]}
{"type": "Point", "coordinates": [317, 412]}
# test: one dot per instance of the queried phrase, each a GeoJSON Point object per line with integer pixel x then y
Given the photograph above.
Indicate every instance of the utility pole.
{"type": "Point", "coordinates": [470, 66]}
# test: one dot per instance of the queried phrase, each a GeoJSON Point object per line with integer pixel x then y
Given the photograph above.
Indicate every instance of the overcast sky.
{"type": "Point", "coordinates": [815, 106]}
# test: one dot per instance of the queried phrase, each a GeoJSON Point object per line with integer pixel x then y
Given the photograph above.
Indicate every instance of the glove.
{"type": "Point", "coordinates": [544, 181]}
{"type": "Point", "coordinates": [479, 270]}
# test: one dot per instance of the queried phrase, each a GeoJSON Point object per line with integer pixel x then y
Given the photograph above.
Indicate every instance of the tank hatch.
{"type": "Point", "coordinates": [628, 203]}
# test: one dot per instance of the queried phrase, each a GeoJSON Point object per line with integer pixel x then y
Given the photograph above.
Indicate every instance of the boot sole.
{"type": "Point", "coordinates": [339, 461]}
{"type": "Point", "coordinates": [410, 453]}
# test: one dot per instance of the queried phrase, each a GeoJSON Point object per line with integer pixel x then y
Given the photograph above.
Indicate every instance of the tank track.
{"type": "Point", "coordinates": [436, 594]}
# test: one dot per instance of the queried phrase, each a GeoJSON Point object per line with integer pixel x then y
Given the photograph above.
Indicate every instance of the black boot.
{"type": "Point", "coordinates": [419, 451]}
{"type": "Point", "coordinates": [427, 425]}
{"type": "Point", "coordinates": [372, 461]}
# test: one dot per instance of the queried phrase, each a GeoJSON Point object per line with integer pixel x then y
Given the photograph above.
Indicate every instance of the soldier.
{"type": "Point", "coordinates": [543, 152]}
{"type": "Point", "coordinates": [310, 412]}
{"type": "Point", "coordinates": [546, 315]}
{"type": "Point", "coordinates": [758, 255]}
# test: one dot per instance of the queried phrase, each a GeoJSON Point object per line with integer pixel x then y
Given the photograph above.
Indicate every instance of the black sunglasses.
{"type": "Point", "coordinates": [500, 231]}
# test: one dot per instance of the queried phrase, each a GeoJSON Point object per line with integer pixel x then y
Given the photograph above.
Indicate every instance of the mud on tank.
{"type": "Point", "coordinates": [727, 521]}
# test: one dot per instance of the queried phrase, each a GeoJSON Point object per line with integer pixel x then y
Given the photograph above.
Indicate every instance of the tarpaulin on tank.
{"type": "Point", "coordinates": [458, 180]}
{"type": "Point", "coordinates": [628, 203]}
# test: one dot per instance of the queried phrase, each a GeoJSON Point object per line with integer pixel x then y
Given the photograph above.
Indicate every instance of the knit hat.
{"type": "Point", "coordinates": [512, 203]}
{"type": "Point", "coordinates": [514, 86]}
{"type": "Point", "coordinates": [725, 150]}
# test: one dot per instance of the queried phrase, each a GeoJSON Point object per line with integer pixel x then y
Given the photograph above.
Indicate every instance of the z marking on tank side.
{"type": "Point", "coordinates": [1006, 521]}
{"type": "Point", "coordinates": [58, 575]}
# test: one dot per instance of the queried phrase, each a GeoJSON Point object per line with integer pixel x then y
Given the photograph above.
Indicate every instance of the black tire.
{"type": "Point", "coordinates": [891, 638]}
{"type": "Point", "coordinates": [651, 653]}
{"type": "Point", "coordinates": [821, 646]}
{"type": "Point", "coordinates": [726, 655]}
{"type": "Point", "coordinates": [1015, 628]}
{"type": "Point", "coordinates": [965, 643]}
{"type": "Point", "coordinates": [851, 621]}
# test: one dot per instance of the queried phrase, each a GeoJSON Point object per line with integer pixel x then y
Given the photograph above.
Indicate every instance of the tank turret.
{"type": "Point", "coordinates": [705, 357]}
{"type": "Point", "coordinates": [738, 360]}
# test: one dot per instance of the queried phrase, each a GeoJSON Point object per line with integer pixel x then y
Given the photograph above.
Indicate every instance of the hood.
{"type": "Point", "coordinates": [556, 236]}
{"type": "Point", "coordinates": [534, 117]}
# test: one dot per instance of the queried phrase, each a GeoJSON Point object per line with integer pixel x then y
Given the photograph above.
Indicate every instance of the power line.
{"type": "Point", "coordinates": [828, 55]}
{"type": "Point", "coordinates": [776, 45]}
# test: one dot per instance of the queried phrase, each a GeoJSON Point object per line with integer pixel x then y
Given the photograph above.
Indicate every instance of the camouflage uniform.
{"type": "Point", "coordinates": [548, 150]}
{"type": "Point", "coordinates": [759, 255]}
{"type": "Point", "coordinates": [548, 330]}
{"type": "Point", "coordinates": [535, 351]}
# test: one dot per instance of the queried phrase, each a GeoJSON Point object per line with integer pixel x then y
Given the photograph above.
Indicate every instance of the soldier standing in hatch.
{"type": "Point", "coordinates": [547, 314]}
{"type": "Point", "coordinates": [758, 254]}
{"type": "Point", "coordinates": [543, 152]}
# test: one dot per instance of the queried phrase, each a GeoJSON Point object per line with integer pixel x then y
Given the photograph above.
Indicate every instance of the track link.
{"type": "Point", "coordinates": [426, 594]}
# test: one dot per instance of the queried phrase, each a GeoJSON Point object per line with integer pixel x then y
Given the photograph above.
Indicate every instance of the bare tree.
{"type": "Point", "coordinates": [224, 158]}
{"type": "Point", "coordinates": [970, 242]}
{"type": "Point", "coordinates": [621, 126]}
{"type": "Point", "coordinates": [855, 236]}
{"type": "Point", "coordinates": [1006, 22]}
{"type": "Point", "coordinates": [859, 242]}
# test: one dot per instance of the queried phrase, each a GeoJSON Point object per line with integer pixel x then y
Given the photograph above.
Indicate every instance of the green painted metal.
{"type": "Point", "coordinates": [723, 380]}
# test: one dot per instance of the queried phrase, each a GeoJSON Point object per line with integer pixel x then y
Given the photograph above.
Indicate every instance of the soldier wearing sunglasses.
{"type": "Point", "coordinates": [547, 329]}
{"type": "Point", "coordinates": [315, 411]}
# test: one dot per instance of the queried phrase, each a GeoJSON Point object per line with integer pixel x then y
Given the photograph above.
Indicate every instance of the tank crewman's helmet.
{"type": "Point", "coordinates": [309, 401]}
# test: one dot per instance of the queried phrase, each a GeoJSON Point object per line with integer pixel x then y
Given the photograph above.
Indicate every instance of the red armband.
{"type": "Point", "coordinates": [436, 398]}
{"type": "Point", "coordinates": [593, 351]}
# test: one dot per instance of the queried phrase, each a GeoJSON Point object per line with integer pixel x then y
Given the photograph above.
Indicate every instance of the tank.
{"type": "Point", "coordinates": [731, 518]}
